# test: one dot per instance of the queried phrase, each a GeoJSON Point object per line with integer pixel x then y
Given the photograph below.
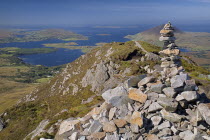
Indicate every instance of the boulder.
{"type": "Point", "coordinates": [156, 120]}
{"type": "Point", "coordinates": [170, 51]}
{"type": "Point", "coordinates": [152, 96]}
{"type": "Point", "coordinates": [152, 57]}
{"type": "Point", "coordinates": [74, 136]}
{"type": "Point", "coordinates": [166, 64]}
{"type": "Point", "coordinates": [117, 96]}
{"type": "Point", "coordinates": [179, 80]}
{"type": "Point", "coordinates": [137, 95]}
{"type": "Point", "coordinates": [169, 104]}
{"type": "Point", "coordinates": [98, 135]}
{"type": "Point", "coordinates": [133, 81]}
{"type": "Point", "coordinates": [167, 38]}
{"type": "Point", "coordinates": [134, 128]}
{"type": "Point", "coordinates": [109, 127]}
{"type": "Point", "coordinates": [172, 117]}
{"type": "Point", "coordinates": [204, 110]}
{"type": "Point", "coordinates": [163, 125]}
{"type": "Point", "coordinates": [157, 88]}
{"type": "Point", "coordinates": [120, 122]}
{"type": "Point", "coordinates": [112, 112]}
{"type": "Point", "coordinates": [190, 85]}
{"type": "Point", "coordinates": [96, 126]}
{"type": "Point", "coordinates": [146, 80]}
{"type": "Point", "coordinates": [137, 119]}
{"type": "Point", "coordinates": [152, 137]}
{"type": "Point", "coordinates": [190, 95]}
{"type": "Point", "coordinates": [154, 107]}
{"type": "Point", "coordinates": [170, 92]}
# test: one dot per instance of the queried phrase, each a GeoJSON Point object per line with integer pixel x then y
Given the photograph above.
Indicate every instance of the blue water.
{"type": "Point", "coordinates": [63, 56]}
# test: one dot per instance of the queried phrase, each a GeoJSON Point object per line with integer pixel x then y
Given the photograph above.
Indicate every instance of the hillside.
{"type": "Point", "coordinates": [78, 88]}
{"type": "Point", "coordinates": [7, 36]}
{"type": "Point", "coordinates": [197, 43]}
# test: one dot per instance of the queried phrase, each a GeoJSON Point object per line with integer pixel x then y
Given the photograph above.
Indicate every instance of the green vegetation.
{"type": "Point", "coordinates": [50, 98]}
{"type": "Point", "coordinates": [17, 78]}
{"type": "Point", "coordinates": [149, 47]}
{"type": "Point", "coordinates": [14, 51]}
{"type": "Point", "coordinates": [198, 42]}
{"type": "Point", "coordinates": [26, 36]}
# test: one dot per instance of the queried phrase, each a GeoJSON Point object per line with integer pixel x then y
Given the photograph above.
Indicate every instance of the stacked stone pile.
{"type": "Point", "coordinates": [164, 105]}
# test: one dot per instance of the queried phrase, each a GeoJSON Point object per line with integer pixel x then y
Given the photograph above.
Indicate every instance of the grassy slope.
{"type": "Point", "coordinates": [199, 42]}
{"type": "Point", "coordinates": [27, 116]}
{"type": "Point", "coordinates": [17, 78]}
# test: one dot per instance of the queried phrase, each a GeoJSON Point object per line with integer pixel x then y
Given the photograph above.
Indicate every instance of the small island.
{"type": "Point", "coordinates": [73, 45]}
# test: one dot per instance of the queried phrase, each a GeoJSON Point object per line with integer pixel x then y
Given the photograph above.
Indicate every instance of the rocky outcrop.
{"type": "Point", "coordinates": [165, 105]}
{"type": "Point", "coordinates": [1, 124]}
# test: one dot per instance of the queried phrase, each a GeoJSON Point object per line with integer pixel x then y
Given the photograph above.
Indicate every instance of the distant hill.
{"type": "Point", "coordinates": [156, 30]}
{"type": "Point", "coordinates": [7, 36]}
{"type": "Point", "coordinates": [198, 42]}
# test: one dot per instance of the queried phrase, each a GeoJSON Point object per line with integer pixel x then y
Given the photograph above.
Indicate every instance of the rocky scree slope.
{"type": "Point", "coordinates": [75, 90]}
{"type": "Point", "coordinates": [164, 105]}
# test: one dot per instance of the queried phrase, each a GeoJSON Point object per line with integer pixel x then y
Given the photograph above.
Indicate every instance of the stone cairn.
{"type": "Point", "coordinates": [163, 105]}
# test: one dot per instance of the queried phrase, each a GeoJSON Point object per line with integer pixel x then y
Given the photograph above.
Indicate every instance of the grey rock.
{"type": "Point", "coordinates": [123, 111]}
{"type": "Point", "coordinates": [134, 128]}
{"type": "Point", "coordinates": [96, 126]}
{"type": "Point", "coordinates": [190, 85]}
{"type": "Point", "coordinates": [179, 98]}
{"type": "Point", "coordinates": [112, 137]}
{"type": "Point", "coordinates": [117, 96]}
{"type": "Point", "coordinates": [162, 96]}
{"type": "Point", "coordinates": [112, 112]}
{"type": "Point", "coordinates": [152, 96]}
{"type": "Point", "coordinates": [74, 136]}
{"type": "Point", "coordinates": [109, 127]}
{"type": "Point", "coordinates": [168, 103]}
{"type": "Point", "coordinates": [145, 81]}
{"type": "Point", "coordinates": [1, 124]}
{"type": "Point", "coordinates": [164, 132]}
{"type": "Point", "coordinates": [170, 92]}
{"type": "Point", "coordinates": [188, 135]}
{"type": "Point", "coordinates": [175, 131]}
{"type": "Point", "coordinates": [130, 108]}
{"type": "Point", "coordinates": [157, 88]}
{"type": "Point", "coordinates": [156, 120]}
{"type": "Point", "coordinates": [134, 80]}
{"type": "Point", "coordinates": [174, 71]}
{"type": "Point", "coordinates": [163, 125]}
{"type": "Point", "coordinates": [172, 117]}
{"type": "Point", "coordinates": [179, 80]}
{"type": "Point", "coordinates": [137, 106]}
{"type": "Point", "coordinates": [122, 130]}
{"type": "Point", "coordinates": [82, 138]}
{"type": "Point", "coordinates": [129, 136]}
{"type": "Point", "coordinates": [190, 95]}
{"type": "Point", "coordinates": [152, 56]}
{"type": "Point", "coordinates": [204, 110]}
{"type": "Point", "coordinates": [147, 104]}
{"type": "Point", "coordinates": [154, 107]}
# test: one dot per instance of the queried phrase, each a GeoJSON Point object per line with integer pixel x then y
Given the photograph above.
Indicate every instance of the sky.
{"type": "Point", "coordinates": [103, 12]}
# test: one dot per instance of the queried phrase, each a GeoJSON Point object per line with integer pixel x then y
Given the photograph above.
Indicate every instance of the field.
{"type": "Point", "coordinates": [17, 78]}
{"type": "Point", "coordinates": [7, 36]}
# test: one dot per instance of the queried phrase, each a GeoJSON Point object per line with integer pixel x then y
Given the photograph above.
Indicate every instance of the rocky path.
{"type": "Point", "coordinates": [139, 45]}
